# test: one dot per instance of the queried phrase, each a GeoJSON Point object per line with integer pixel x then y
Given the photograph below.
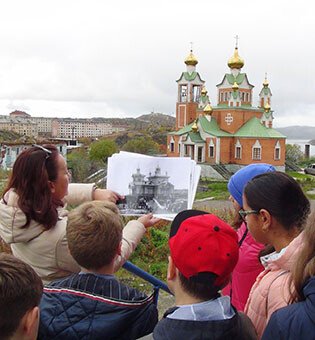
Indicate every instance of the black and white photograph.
{"type": "Point", "coordinates": [158, 185]}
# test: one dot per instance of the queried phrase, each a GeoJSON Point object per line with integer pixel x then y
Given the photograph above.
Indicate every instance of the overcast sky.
{"type": "Point", "coordinates": [106, 58]}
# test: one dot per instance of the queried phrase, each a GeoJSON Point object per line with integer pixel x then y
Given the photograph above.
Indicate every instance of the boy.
{"type": "Point", "coordinates": [204, 251]}
{"type": "Point", "coordinates": [94, 304]}
{"type": "Point", "coordinates": [20, 293]}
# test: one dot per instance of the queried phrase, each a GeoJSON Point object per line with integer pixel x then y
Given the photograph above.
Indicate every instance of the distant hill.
{"type": "Point", "coordinates": [298, 132]}
{"type": "Point", "coordinates": [155, 118]}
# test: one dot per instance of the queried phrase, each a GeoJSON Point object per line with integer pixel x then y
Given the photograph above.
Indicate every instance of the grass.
{"type": "Point", "coordinates": [217, 190]}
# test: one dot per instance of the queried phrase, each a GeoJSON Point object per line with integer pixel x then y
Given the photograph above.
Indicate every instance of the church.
{"type": "Point", "coordinates": [234, 133]}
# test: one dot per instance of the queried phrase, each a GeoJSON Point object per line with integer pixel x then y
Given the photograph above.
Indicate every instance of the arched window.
{"type": "Point", "coordinates": [256, 151]}
{"type": "Point", "coordinates": [238, 150]}
{"type": "Point", "coordinates": [211, 149]}
{"type": "Point", "coordinates": [277, 151]}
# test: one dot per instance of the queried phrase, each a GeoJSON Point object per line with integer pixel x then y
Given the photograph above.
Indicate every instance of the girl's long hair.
{"type": "Point", "coordinates": [32, 171]}
{"type": "Point", "coordinates": [305, 265]}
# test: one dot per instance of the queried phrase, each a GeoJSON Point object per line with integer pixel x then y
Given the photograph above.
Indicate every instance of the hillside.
{"type": "Point", "coordinates": [298, 132]}
{"type": "Point", "coordinates": [155, 118]}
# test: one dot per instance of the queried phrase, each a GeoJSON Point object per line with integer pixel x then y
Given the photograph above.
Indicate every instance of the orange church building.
{"type": "Point", "coordinates": [232, 133]}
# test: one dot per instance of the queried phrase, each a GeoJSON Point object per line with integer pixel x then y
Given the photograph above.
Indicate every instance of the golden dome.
{"type": "Point", "coordinates": [236, 61]}
{"type": "Point", "coordinates": [267, 107]}
{"type": "Point", "coordinates": [265, 83]}
{"type": "Point", "coordinates": [208, 110]}
{"type": "Point", "coordinates": [191, 60]}
{"type": "Point", "coordinates": [195, 127]}
{"type": "Point", "coordinates": [204, 91]}
{"type": "Point", "coordinates": [235, 86]}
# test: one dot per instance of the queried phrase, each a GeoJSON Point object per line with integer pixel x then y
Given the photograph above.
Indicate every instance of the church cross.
{"type": "Point", "coordinates": [228, 119]}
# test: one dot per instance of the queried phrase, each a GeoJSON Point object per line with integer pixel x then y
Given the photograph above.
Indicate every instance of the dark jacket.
{"type": "Point", "coordinates": [90, 306]}
{"type": "Point", "coordinates": [237, 328]}
{"type": "Point", "coordinates": [296, 321]}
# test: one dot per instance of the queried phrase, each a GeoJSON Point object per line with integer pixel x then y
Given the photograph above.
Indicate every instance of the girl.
{"type": "Point", "coordinates": [248, 265]}
{"type": "Point", "coordinates": [275, 212]}
{"type": "Point", "coordinates": [297, 321]}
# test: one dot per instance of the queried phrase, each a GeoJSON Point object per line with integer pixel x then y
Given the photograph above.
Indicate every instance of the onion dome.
{"type": "Point", "coordinates": [236, 61]}
{"type": "Point", "coordinates": [265, 83]}
{"type": "Point", "coordinates": [195, 127]}
{"type": "Point", "coordinates": [267, 107]}
{"type": "Point", "coordinates": [208, 110]}
{"type": "Point", "coordinates": [191, 60]}
{"type": "Point", "coordinates": [235, 86]}
{"type": "Point", "coordinates": [204, 91]}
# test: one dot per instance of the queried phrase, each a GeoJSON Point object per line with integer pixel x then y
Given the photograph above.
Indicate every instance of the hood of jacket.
{"type": "Point", "coordinates": [287, 260]}
{"type": "Point", "coordinates": [12, 220]}
{"type": "Point", "coordinates": [72, 314]}
{"type": "Point", "coordinates": [172, 329]}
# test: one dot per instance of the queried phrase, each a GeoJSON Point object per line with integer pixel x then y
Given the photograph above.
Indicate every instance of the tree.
{"type": "Point", "coordinates": [102, 149]}
{"type": "Point", "coordinates": [80, 165]}
{"type": "Point", "coordinates": [293, 153]}
{"type": "Point", "coordinates": [141, 145]}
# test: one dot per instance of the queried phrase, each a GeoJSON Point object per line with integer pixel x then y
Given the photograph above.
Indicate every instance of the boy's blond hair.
{"type": "Point", "coordinates": [94, 231]}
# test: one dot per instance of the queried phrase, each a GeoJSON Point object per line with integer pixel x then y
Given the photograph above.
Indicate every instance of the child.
{"type": "Point", "coordinates": [204, 252]}
{"type": "Point", "coordinates": [275, 211]}
{"type": "Point", "coordinates": [298, 320]}
{"type": "Point", "coordinates": [20, 293]}
{"type": "Point", "coordinates": [248, 265]}
{"type": "Point", "coordinates": [93, 304]}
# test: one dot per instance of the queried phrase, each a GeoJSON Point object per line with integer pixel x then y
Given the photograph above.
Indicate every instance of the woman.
{"type": "Point", "coordinates": [297, 321]}
{"type": "Point", "coordinates": [275, 211]}
{"type": "Point", "coordinates": [248, 265]}
{"type": "Point", "coordinates": [33, 215]}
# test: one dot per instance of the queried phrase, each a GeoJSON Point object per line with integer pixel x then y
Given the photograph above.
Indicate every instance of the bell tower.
{"type": "Point", "coordinates": [190, 87]}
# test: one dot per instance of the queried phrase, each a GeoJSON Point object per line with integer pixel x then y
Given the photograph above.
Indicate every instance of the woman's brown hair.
{"type": "Point", "coordinates": [305, 265]}
{"type": "Point", "coordinates": [32, 171]}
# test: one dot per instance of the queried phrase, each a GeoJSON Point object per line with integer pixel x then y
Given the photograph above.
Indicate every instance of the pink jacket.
{"type": "Point", "coordinates": [246, 270]}
{"type": "Point", "coordinates": [271, 289]}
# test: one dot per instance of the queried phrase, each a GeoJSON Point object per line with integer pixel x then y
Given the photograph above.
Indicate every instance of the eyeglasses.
{"type": "Point", "coordinates": [244, 213]}
{"type": "Point", "coordinates": [48, 152]}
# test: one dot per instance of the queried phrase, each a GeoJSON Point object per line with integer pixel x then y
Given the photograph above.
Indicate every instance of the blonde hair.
{"type": "Point", "coordinates": [305, 265]}
{"type": "Point", "coordinates": [94, 231]}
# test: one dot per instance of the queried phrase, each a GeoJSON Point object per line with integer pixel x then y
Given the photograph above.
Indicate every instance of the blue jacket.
{"type": "Point", "coordinates": [296, 321]}
{"type": "Point", "coordinates": [73, 308]}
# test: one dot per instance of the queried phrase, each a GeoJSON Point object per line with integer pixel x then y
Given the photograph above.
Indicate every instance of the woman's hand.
{"type": "Point", "coordinates": [106, 195]}
{"type": "Point", "coordinates": [148, 220]}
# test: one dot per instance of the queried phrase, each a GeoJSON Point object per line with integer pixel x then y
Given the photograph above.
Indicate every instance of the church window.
{"type": "Point", "coordinates": [256, 151]}
{"type": "Point", "coordinates": [221, 95]}
{"type": "Point", "coordinates": [172, 146]}
{"type": "Point", "coordinates": [225, 96]}
{"type": "Point", "coordinates": [238, 150]}
{"type": "Point", "coordinates": [243, 96]}
{"type": "Point", "coordinates": [196, 93]}
{"type": "Point", "coordinates": [183, 93]}
{"type": "Point", "coordinates": [247, 97]}
{"type": "Point", "coordinates": [277, 151]}
{"type": "Point", "coordinates": [211, 149]}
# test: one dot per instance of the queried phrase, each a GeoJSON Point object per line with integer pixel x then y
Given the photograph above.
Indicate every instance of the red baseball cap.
{"type": "Point", "coordinates": [203, 247]}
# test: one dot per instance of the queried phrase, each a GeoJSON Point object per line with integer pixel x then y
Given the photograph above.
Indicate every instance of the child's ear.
{"type": "Point", "coordinates": [119, 248]}
{"type": "Point", "coordinates": [171, 269]}
{"type": "Point", "coordinates": [29, 322]}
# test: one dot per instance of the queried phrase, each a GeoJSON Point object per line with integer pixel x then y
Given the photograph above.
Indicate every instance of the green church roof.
{"type": "Point", "coordinates": [190, 77]}
{"type": "Point", "coordinates": [254, 129]}
{"type": "Point", "coordinates": [212, 127]}
{"type": "Point", "coordinates": [195, 137]}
